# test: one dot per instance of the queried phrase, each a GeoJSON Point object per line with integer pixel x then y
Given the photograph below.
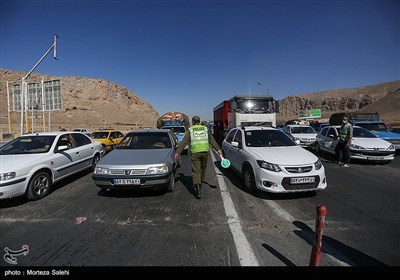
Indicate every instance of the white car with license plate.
{"type": "Point", "coordinates": [270, 161]}
{"type": "Point", "coordinates": [31, 163]}
{"type": "Point", "coordinates": [364, 145]}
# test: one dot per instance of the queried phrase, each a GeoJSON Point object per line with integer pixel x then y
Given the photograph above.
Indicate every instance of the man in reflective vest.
{"type": "Point", "coordinates": [199, 138]}
{"type": "Point", "coordinates": [343, 145]}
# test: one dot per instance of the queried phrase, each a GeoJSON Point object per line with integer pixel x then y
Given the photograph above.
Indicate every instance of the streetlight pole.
{"type": "Point", "coordinates": [269, 86]}
{"type": "Point", "coordinates": [24, 104]}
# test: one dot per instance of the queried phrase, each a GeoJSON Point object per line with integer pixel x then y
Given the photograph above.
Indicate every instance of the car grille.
{"type": "Point", "coordinates": [298, 169]}
{"type": "Point", "coordinates": [308, 186]}
{"type": "Point", "coordinates": [372, 153]}
{"type": "Point", "coordinates": [128, 171]}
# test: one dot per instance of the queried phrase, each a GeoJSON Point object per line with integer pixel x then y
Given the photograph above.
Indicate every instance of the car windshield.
{"type": "Point", "coordinates": [99, 135]}
{"type": "Point", "coordinates": [359, 132]}
{"type": "Point", "coordinates": [28, 145]}
{"type": "Point", "coordinates": [267, 138]}
{"type": "Point", "coordinates": [302, 129]}
{"type": "Point", "coordinates": [145, 141]}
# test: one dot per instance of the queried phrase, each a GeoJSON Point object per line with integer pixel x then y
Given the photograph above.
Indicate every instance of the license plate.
{"type": "Point", "coordinates": [126, 181]}
{"type": "Point", "coordinates": [375, 158]}
{"type": "Point", "coordinates": [303, 180]}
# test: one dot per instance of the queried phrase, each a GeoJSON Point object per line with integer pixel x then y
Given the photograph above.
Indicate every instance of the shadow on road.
{"type": "Point", "coordinates": [278, 255]}
{"type": "Point", "coordinates": [335, 248]}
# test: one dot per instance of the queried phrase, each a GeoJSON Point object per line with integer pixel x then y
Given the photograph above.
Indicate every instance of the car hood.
{"type": "Point", "coordinates": [291, 155]}
{"type": "Point", "coordinates": [13, 162]}
{"type": "Point", "coordinates": [388, 134]}
{"type": "Point", "coordinates": [371, 143]}
{"type": "Point", "coordinates": [135, 157]}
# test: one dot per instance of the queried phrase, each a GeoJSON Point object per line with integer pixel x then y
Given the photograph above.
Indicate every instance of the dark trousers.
{"type": "Point", "coordinates": [341, 147]}
{"type": "Point", "coordinates": [199, 165]}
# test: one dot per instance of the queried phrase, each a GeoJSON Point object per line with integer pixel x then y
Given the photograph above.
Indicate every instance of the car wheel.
{"type": "Point", "coordinates": [249, 181]}
{"type": "Point", "coordinates": [39, 186]}
{"type": "Point", "coordinates": [95, 161]}
{"type": "Point", "coordinates": [317, 148]}
{"type": "Point", "coordinates": [171, 184]}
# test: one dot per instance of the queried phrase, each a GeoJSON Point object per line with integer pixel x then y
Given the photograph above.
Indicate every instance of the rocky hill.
{"type": "Point", "coordinates": [383, 98]}
{"type": "Point", "coordinates": [94, 103]}
{"type": "Point", "coordinates": [87, 102]}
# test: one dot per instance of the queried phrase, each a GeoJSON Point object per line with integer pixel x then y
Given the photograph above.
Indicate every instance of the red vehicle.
{"type": "Point", "coordinates": [243, 110]}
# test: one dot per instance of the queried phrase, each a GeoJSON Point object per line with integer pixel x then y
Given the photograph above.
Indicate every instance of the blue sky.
{"type": "Point", "coordinates": [188, 56]}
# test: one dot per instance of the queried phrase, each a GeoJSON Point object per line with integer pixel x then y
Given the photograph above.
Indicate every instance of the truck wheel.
{"type": "Point", "coordinates": [39, 186]}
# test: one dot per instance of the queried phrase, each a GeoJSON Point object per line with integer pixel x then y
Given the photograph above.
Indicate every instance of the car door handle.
{"type": "Point", "coordinates": [77, 153]}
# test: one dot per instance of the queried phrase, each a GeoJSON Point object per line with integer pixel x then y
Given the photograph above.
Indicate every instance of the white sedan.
{"type": "Point", "coordinates": [31, 163]}
{"type": "Point", "coordinates": [364, 145]}
{"type": "Point", "coordinates": [270, 161]}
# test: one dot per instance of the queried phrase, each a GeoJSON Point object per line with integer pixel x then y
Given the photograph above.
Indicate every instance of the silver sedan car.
{"type": "Point", "coordinates": [31, 163]}
{"type": "Point", "coordinates": [143, 159]}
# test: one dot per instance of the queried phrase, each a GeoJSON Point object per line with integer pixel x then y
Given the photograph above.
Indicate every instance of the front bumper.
{"type": "Point", "coordinates": [146, 182]}
{"type": "Point", "coordinates": [279, 182]}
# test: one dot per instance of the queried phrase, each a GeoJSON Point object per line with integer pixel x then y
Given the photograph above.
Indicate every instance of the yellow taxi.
{"type": "Point", "coordinates": [108, 138]}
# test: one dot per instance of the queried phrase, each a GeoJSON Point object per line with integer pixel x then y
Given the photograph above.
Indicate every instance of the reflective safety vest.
{"type": "Point", "coordinates": [344, 131]}
{"type": "Point", "coordinates": [198, 139]}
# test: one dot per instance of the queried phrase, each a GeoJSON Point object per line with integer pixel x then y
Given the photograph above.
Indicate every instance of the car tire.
{"type": "Point", "coordinates": [249, 180]}
{"type": "Point", "coordinates": [318, 148]}
{"type": "Point", "coordinates": [39, 186]}
{"type": "Point", "coordinates": [171, 184]}
{"type": "Point", "coordinates": [96, 159]}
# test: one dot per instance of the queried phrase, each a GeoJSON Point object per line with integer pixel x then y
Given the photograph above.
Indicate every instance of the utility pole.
{"type": "Point", "coordinates": [24, 85]}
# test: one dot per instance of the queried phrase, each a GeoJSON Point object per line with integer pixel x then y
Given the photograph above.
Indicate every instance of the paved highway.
{"type": "Point", "coordinates": [78, 225]}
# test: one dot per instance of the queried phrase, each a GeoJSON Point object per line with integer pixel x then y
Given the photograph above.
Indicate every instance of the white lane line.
{"type": "Point", "coordinates": [243, 248]}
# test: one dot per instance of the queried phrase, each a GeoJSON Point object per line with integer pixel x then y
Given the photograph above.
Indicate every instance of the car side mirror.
{"type": "Point", "coordinates": [235, 144]}
{"type": "Point", "coordinates": [62, 148]}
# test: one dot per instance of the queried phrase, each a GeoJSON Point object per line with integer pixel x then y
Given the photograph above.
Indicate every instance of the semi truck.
{"type": "Point", "coordinates": [243, 110]}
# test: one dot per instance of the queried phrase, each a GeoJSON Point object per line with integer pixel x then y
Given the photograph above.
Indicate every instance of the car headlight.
{"type": "Point", "coordinates": [356, 147]}
{"type": "Point", "coordinates": [318, 165]}
{"type": "Point", "coordinates": [102, 171]}
{"type": "Point", "coordinates": [391, 147]}
{"type": "Point", "coordinates": [7, 176]}
{"type": "Point", "coordinates": [269, 166]}
{"type": "Point", "coordinates": [162, 169]}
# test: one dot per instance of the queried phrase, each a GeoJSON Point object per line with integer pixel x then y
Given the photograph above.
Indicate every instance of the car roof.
{"type": "Point", "coordinates": [51, 133]}
{"type": "Point", "coordinates": [151, 130]}
{"type": "Point", "coordinates": [246, 128]}
{"type": "Point", "coordinates": [299, 125]}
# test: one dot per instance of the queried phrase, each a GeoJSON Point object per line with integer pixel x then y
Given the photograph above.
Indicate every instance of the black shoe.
{"type": "Point", "coordinates": [197, 189]}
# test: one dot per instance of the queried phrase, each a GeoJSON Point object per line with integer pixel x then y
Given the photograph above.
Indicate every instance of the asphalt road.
{"type": "Point", "coordinates": [78, 225]}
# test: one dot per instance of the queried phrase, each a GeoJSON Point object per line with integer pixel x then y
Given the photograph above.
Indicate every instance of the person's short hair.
{"type": "Point", "coordinates": [196, 119]}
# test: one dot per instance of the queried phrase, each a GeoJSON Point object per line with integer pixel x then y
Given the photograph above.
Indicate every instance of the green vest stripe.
{"type": "Point", "coordinates": [198, 139]}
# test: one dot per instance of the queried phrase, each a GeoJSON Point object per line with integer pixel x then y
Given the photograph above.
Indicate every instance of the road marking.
{"type": "Point", "coordinates": [330, 251]}
{"type": "Point", "coordinates": [243, 248]}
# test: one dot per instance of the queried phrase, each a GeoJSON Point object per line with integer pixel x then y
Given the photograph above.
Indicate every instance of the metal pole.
{"type": "Point", "coordinates": [8, 109]}
{"type": "Point", "coordinates": [22, 105]}
{"type": "Point", "coordinates": [30, 72]}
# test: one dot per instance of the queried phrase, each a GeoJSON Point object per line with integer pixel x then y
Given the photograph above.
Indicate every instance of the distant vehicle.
{"type": "Point", "coordinates": [270, 161]}
{"type": "Point", "coordinates": [381, 130]}
{"type": "Point", "coordinates": [364, 145]}
{"type": "Point", "coordinates": [305, 134]}
{"type": "Point", "coordinates": [83, 130]}
{"type": "Point", "coordinates": [179, 131]}
{"type": "Point", "coordinates": [32, 163]}
{"type": "Point", "coordinates": [243, 110]}
{"type": "Point", "coordinates": [143, 159]}
{"type": "Point", "coordinates": [109, 138]}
